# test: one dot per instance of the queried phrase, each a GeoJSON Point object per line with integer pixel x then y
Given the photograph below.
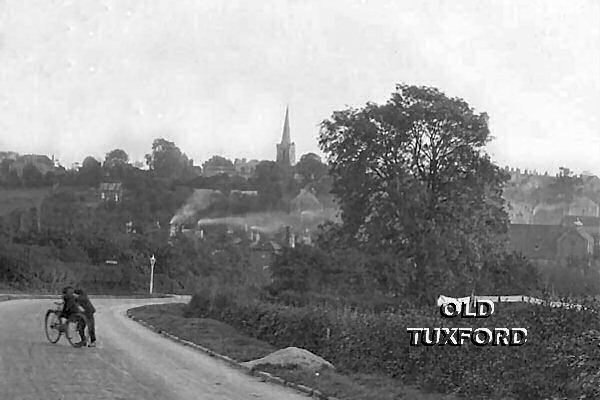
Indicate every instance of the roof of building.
{"type": "Point", "coordinates": [305, 201]}
{"type": "Point", "coordinates": [569, 220]}
{"type": "Point", "coordinates": [111, 186]}
{"type": "Point", "coordinates": [535, 241]}
{"type": "Point", "coordinates": [36, 158]}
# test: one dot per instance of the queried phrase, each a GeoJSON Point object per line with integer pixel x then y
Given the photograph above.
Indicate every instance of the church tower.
{"type": "Point", "coordinates": [286, 150]}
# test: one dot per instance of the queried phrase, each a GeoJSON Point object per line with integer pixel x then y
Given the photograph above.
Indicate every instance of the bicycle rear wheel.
{"type": "Point", "coordinates": [75, 323]}
{"type": "Point", "coordinates": [52, 326]}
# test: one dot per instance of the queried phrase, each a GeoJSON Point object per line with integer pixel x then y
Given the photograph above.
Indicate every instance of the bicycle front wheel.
{"type": "Point", "coordinates": [77, 329]}
{"type": "Point", "coordinates": [52, 326]}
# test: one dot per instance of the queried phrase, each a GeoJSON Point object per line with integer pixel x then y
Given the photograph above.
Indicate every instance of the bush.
{"type": "Point", "coordinates": [558, 359]}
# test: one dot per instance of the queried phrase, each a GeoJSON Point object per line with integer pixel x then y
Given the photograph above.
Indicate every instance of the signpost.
{"type": "Point", "coordinates": [152, 262]}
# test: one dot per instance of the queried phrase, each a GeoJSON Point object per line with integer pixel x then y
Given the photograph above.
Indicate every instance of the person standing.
{"type": "Point", "coordinates": [89, 310]}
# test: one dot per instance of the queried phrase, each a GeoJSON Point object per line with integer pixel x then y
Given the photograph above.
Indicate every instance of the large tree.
{"type": "Point", "coordinates": [116, 157]}
{"type": "Point", "coordinates": [167, 160]}
{"type": "Point", "coordinates": [311, 167]}
{"type": "Point", "coordinates": [32, 177]}
{"type": "Point", "coordinates": [270, 181]}
{"type": "Point", "coordinates": [412, 178]}
{"type": "Point", "coordinates": [217, 161]}
{"type": "Point", "coordinates": [90, 173]}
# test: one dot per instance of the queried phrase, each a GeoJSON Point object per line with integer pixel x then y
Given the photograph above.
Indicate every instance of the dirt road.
{"type": "Point", "coordinates": [129, 363]}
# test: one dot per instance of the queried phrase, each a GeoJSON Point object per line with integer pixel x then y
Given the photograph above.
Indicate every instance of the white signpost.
{"type": "Point", "coordinates": [152, 262]}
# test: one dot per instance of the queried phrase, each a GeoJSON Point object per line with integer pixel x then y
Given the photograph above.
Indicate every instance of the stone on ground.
{"type": "Point", "coordinates": [292, 356]}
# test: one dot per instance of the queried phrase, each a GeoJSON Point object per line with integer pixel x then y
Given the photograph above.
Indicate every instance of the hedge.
{"type": "Point", "coordinates": [558, 361]}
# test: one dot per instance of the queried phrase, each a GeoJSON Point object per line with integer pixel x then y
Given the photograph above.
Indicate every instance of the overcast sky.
{"type": "Point", "coordinates": [82, 77]}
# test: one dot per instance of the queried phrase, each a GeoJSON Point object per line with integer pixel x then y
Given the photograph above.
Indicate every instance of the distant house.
{"type": "Point", "coordinates": [306, 201]}
{"type": "Point", "coordinates": [519, 212]}
{"type": "Point", "coordinates": [589, 224]}
{"type": "Point", "coordinates": [551, 243]}
{"type": "Point", "coordinates": [43, 163]}
{"type": "Point", "coordinates": [536, 242]}
{"type": "Point", "coordinates": [575, 242]}
{"type": "Point", "coordinates": [8, 155]}
{"type": "Point", "coordinates": [111, 191]}
{"type": "Point", "coordinates": [212, 170]}
{"type": "Point", "coordinates": [244, 167]}
{"type": "Point", "coordinates": [584, 206]}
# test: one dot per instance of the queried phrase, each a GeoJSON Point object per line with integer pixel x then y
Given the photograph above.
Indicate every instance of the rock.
{"type": "Point", "coordinates": [292, 356]}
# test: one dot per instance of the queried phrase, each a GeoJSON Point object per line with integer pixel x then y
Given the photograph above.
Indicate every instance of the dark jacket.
{"type": "Point", "coordinates": [70, 306]}
{"type": "Point", "coordinates": [84, 302]}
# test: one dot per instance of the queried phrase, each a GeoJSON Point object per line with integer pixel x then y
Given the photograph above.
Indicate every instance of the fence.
{"type": "Point", "coordinates": [507, 299]}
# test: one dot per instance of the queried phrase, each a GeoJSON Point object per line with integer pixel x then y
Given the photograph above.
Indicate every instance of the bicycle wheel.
{"type": "Point", "coordinates": [75, 323]}
{"type": "Point", "coordinates": [52, 325]}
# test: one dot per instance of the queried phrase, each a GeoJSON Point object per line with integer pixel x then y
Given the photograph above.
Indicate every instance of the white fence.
{"type": "Point", "coordinates": [507, 299]}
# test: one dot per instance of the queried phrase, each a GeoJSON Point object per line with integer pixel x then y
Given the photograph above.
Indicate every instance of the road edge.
{"type": "Point", "coordinates": [265, 376]}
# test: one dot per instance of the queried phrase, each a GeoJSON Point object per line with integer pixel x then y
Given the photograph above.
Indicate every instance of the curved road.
{"type": "Point", "coordinates": [129, 363]}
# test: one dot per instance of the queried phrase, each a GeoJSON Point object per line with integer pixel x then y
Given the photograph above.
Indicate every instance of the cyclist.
{"type": "Point", "coordinates": [70, 308]}
{"type": "Point", "coordinates": [88, 309]}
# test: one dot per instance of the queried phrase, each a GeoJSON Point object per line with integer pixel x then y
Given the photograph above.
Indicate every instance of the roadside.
{"type": "Point", "coordinates": [223, 339]}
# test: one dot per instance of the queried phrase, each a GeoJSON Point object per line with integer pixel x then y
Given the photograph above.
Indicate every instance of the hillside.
{"type": "Point", "coordinates": [13, 199]}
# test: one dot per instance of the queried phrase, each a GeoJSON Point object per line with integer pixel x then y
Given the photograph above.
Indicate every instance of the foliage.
{"type": "Point", "coordinates": [90, 173]}
{"type": "Point", "coordinates": [115, 158]}
{"type": "Point", "coordinates": [311, 167]}
{"type": "Point", "coordinates": [571, 280]}
{"type": "Point", "coordinates": [411, 175]}
{"type": "Point", "coordinates": [167, 161]}
{"type": "Point", "coordinates": [270, 182]}
{"type": "Point", "coordinates": [32, 177]}
{"type": "Point", "coordinates": [557, 360]}
{"type": "Point", "coordinates": [217, 161]}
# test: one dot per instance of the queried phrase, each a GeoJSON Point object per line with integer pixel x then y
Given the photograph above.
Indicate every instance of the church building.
{"type": "Point", "coordinates": [286, 150]}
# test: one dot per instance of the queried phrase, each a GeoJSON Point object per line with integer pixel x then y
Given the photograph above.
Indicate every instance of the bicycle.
{"type": "Point", "coordinates": [55, 328]}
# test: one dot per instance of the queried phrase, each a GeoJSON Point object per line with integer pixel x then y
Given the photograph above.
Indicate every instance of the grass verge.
{"type": "Point", "coordinates": [224, 339]}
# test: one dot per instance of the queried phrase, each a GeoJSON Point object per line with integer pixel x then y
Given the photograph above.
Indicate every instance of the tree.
{"type": "Point", "coordinates": [311, 167]}
{"type": "Point", "coordinates": [167, 160]}
{"type": "Point", "coordinates": [32, 177]}
{"type": "Point", "coordinates": [270, 182]}
{"type": "Point", "coordinates": [90, 173]}
{"type": "Point", "coordinates": [12, 179]}
{"type": "Point", "coordinates": [116, 157]}
{"type": "Point", "coordinates": [411, 177]}
{"type": "Point", "coordinates": [217, 161]}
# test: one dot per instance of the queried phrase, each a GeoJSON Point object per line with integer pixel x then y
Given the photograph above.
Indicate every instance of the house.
{"type": "Point", "coordinates": [43, 163]}
{"type": "Point", "coordinates": [551, 243]}
{"type": "Point", "coordinates": [575, 242]}
{"type": "Point", "coordinates": [212, 170]}
{"type": "Point", "coordinates": [584, 206]}
{"type": "Point", "coordinates": [245, 168]}
{"type": "Point", "coordinates": [536, 242]}
{"type": "Point", "coordinates": [111, 191]}
{"type": "Point", "coordinates": [306, 201]}
{"type": "Point", "coordinates": [589, 224]}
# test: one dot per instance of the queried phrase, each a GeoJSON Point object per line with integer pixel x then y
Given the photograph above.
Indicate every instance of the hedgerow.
{"type": "Point", "coordinates": [558, 361]}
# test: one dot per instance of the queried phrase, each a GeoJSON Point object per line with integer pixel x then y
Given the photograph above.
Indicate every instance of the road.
{"type": "Point", "coordinates": [129, 363]}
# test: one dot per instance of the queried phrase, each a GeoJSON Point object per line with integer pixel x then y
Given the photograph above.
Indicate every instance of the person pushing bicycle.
{"type": "Point", "coordinates": [75, 302]}
{"type": "Point", "coordinates": [88, 310]}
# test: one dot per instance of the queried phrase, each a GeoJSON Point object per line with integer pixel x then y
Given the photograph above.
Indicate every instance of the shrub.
{"type": "Point", "coordinates": [558, 359]}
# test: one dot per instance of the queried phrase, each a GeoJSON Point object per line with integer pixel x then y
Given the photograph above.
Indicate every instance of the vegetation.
{"type": "Point", "coordinates": [224, 339]}
{"type": "Point", "coordinates": [422, 213]}
{"type": "Point", "coordinates": [558, 360]}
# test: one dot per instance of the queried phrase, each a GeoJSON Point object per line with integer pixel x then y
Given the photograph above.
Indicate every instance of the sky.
{"type": "Point", "coordinates": [83, 77]}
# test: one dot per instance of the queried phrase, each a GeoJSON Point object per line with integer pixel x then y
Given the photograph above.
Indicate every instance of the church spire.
{"type": "Point", "coordinates": [286, 150]}
{"type": "Point", "coordinates": [285, 137]}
